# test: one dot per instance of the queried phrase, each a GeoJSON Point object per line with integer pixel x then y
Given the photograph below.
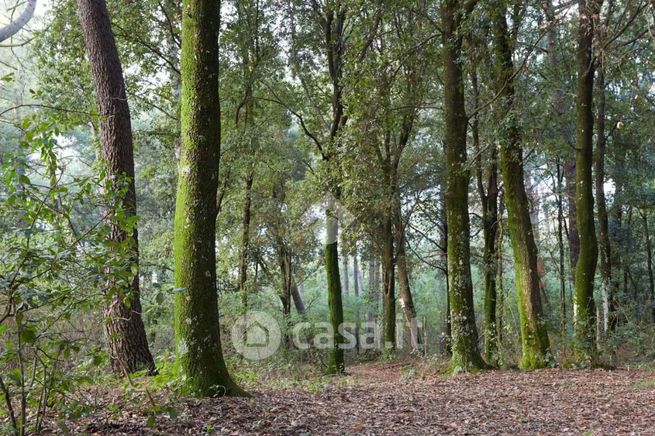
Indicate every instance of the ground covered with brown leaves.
{"type": "Point", "coordinates": [397, 399]}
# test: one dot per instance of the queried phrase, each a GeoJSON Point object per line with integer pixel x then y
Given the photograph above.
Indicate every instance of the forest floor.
{"type": "Point", "coordinates": [398, 398]}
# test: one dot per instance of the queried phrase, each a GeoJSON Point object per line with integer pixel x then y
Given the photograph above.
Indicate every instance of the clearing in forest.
{"type": "Point", "coordinates": [395, 399]}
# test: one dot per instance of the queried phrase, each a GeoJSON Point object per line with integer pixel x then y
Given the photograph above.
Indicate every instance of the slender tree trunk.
{"type": "Point", "coordinates": [332, 21]}
{"type": "Point", "coordinates": [197, 332]}
{"type": "Point", "coordinates": [245, 243]}
{"type": "Point", "coordinates": [500, 309]}
{"type": "Point", "coordinates": [604, 248]}
{"type": "Point", "coordinates": [356, 276]}
{"type": "Point", "coordinates": [465, 351]}
{"type": "Point", "coordinates": [560, 243]}
{"type": "Point", "coordinates": [585, 310]}
{"type": "Point", "coordinates": [444, 254]}
{"type": "Point", "coordinates": [128, 346]}
{"type": "Point", "coordinates": [356, 286]}
{"type": "Point", "coordinates": [489, 201]}
{"type": "Point", "coordinates": [572, 236]}
{"type": "Point", "coordinates": [297, 297]}
{"type": "Point", "coordinates": [335, 305]}
{"type": "Point", "coordinates": [389, 283]}
{"type": "Point", "coordinates": [649, 263]}
{"type": "Point", "coordinates": [535, 345]}
{"type": "Point", "coordinates": [406, 299]}
{"type": "Point", "coordinates": [344, 265]}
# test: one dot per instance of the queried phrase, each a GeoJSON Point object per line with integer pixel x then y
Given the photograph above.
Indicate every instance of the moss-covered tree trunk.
{"type": "Point", "coordinates": [585, 308]}
{"type": "Point", "coordinates": [535, 346]}
{"type": "Point", "coordinates": [465, 350]}
{"type": "Point", "coordinates": [197, 334]}
{"type": "Point", "coordinates": [335, 306]}
{"type": "Point", "coordinates": [128, 346]}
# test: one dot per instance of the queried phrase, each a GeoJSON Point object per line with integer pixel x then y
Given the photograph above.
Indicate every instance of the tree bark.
{"type": "Point", "coordinates": [124, 327]}
{"type": "Point", "coordinates": [585, 310]}
{"type": "Point", "coordinates": [604, 247]}
{"type": "Point", "coordinates": [406, 299]}
{"type": "Point", "coordinates": [344, 264]}
{"type": "Point", "coordinates": [489, 201]}
{"type": "Point", "coordinates": [389, 284]}
{"type": "Point", "coordinates": [15, 26]}
{"type": "Point", "coordinates": [197, 333]}
{"type": "Point", "coordinates": [465, 351]}
{"type": "Point", "coordinates": [573, 237]}
{"type": "Point", "coordinates": [332, 21]}
{"type": "Point", "coordinates": [560, 244]}
{"type": "Point", "coordinates": [245, 243]}
{"type": "Point", "coordinates": [535, 345]}
{"type": "Point", "coordinates": [649, 262]}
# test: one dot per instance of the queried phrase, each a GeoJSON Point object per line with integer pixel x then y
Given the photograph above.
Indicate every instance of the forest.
{"type": "Point", "coordinates": [327, 217]}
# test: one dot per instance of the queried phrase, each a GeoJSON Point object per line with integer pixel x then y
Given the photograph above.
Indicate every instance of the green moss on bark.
{"type": "Point", "coordinates": [465, 350]}
{"type": "Point", "coordinates": [535, 346]}
{"type": "Point", "coordinates": [585, 269]}
{"type": "Point", "coordinates": [198, 342]}
{"type": "Point", "coordinates": [335, 358]}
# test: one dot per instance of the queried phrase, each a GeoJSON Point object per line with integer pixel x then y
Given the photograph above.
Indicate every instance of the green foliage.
{"type": "Point", "coordinates": [51, 276]}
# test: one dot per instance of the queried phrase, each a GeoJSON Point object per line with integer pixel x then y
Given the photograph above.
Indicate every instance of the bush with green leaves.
{"type": "Point", "coordinates": [53, 257]}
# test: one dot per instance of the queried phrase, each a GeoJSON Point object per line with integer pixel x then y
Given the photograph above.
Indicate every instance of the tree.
{"type": "Point", "coordinates": [465, 351]}
{"type": "Point", "coordinates": [124, 327]}
{"type": "Point", "coordinates": [197, 334]}
{"type": "Point", "coordinates": [489, 199]}
{"type": "Point", "coordinates": [535, 345]}
{"type": "Point", "coordinates": [16, 25]}
{"type": "Point", "coordinates": [585, 269]}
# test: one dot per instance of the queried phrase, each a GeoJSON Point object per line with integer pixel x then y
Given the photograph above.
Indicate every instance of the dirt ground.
{"type": "Point", "coordinates": [388, 399]}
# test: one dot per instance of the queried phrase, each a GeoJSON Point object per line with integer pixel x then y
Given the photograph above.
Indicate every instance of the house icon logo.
{"type": "Point", "coordinates": [256, 335]}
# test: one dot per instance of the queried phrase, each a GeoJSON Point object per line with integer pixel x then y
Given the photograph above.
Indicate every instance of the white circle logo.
{"type": "Point", "coordinates": [256, 335]}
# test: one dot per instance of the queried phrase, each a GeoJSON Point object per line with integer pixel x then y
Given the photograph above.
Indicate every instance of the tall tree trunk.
{"type": "Point", "coordinates": [245, 243]}
{"type": "Point", "coordinates": [124, 327]}
{"type": "Point", "coordinates": [465, 351]}
{"type": "Point", "coordinates": [332, 20]}
{"type": "Point", "coordinates": [649, 262]}
{"type": "Point", "coordinates": [356, 276]}
{"type": "Point", "coordinates": [560, 244]}
{"type": "Point", "coordinates": [345, 282]}
{"type": "Point", "coordinates": [585, 310]}
{"type": "Point", "coordinates": [604, 247]}
{"type": "Point", "coordinates": [335, 306]}
{"type": "Point", "coordinates": [406, 299]}
{"type": "Point", "coordinates": [566, 171]}
{"type": "Point", "coordinates": [444, 254]}
{"type": "Point", "coordinates": [489, 200]}
{"type": "Point", "coordinates": [197, 332]}
{"type": "Point", "coordinates": [389, 283]}
{"type": "Point", "coordinates": [535, 345]}
{"type": "Point", "coordinates": [573, 236]}
{"type": "Point", "coordinates": [356, 286]}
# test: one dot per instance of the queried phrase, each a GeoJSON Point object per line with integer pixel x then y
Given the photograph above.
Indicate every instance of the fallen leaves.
{"type": "Point", "coordinates": [379, 401]}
